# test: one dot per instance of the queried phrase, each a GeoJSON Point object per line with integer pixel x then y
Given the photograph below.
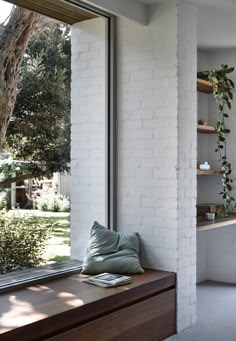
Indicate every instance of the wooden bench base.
{"type": "Point", "coordinates": [69, 309]}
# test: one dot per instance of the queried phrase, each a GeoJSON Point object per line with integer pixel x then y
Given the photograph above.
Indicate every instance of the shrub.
{"type": "Point", "coordinates": [53, 203]}
{"type": "Point", "coordinates": [3, 200]}
{"type": "Point", "coordinates": [22, 241]}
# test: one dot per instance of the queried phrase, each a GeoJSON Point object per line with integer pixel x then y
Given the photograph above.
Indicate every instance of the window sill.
{"type": "Point", "coordinates": [40, 274]}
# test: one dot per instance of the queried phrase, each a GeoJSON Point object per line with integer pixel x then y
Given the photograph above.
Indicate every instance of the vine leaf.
{"type": "Point", "coordinates": [231, 83]}
{"type": "Point", "coordinates": [222, 91]}
{"type": "Point", "coordinates": [231, 69]}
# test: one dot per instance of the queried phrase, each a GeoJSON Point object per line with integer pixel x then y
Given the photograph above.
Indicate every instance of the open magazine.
{"type": "Point", "coordinates": [107, 280]}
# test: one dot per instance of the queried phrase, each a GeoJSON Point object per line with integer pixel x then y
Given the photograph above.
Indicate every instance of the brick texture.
{"type": "Point", "coordinates": [156, 139]}
{"type": "Point", "coordinates": [157, 143]}
{"type": "Point", "coordinates": [88, 131]}
{"type": "Point", "coordinates": [187, 137]}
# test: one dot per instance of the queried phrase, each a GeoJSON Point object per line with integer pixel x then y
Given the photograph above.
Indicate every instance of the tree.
{"type": "Point", "coordinates": [13, 40]}
{"type": "Point", "coordinates": [39, 130]}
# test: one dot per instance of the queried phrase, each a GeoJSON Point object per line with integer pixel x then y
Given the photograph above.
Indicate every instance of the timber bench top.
{"type": "Point", "coordinates": [66, 302]}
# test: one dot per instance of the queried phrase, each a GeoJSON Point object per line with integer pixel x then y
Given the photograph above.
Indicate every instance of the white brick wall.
{"type": "Point", "coordinates": [147, 134]}
{"type": "Point", "coordinates": [88, 131]}
{"type": "Point", "coordinates": [157, 143]}
{"type": "Point", "coordinates": [156, 139]}
{"type": "Point", "coordinates": [187, 138]}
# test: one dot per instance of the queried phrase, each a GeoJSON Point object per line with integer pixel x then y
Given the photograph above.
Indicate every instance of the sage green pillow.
{"type": "Point", "coordinates": [110, 251]}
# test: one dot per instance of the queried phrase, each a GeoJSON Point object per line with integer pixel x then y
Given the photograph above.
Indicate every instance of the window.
{"type": "Point", "coordinates": [92, 131]}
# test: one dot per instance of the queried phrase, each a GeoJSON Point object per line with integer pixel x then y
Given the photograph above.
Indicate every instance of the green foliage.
{"type": "Point", "coordinates": [9, 167]}
{"type": "Point", "coordinates": [53, 203]}
{"type": "Point", "coordinates": [39, 129]}
{"type": "Point", "coordinates": [3, 200]}
{"type": "Point", "coordinates": [22, 241]}
{"type": "Point", "coordinates": [223, 93]}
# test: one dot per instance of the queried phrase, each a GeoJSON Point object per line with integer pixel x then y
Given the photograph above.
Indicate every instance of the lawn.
{"type": "Point", "coordinates": [58, 248]}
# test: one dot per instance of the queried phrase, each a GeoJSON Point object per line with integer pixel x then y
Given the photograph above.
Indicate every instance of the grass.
{"type": "Point", "coordinates": [58, 248]}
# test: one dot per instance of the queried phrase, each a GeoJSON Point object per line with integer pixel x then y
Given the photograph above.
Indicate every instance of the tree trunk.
{"type": "Point", "coordinates": [13, 41]}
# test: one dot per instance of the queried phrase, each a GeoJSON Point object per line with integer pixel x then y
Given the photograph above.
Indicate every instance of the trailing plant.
{"type": "Point", "coordinates": [223, 88]}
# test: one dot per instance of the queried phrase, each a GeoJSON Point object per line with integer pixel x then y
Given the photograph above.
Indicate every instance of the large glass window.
{"type": "Point", "coordinates": [56, 156]}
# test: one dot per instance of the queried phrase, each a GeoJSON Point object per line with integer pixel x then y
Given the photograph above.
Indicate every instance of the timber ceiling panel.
{"type": "Point", "coordinates": [57, 9]}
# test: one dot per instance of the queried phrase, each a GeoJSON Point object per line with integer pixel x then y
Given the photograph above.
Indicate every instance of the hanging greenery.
{"type": "Point", "coordinates": [223, 93]}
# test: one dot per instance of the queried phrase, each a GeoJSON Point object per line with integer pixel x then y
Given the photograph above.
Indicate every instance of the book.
{"type": "Point", "coordinates": [107, 280]}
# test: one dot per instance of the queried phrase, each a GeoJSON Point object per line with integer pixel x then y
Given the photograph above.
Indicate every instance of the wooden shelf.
{"type": "Point", "coordinates": [209, 172]}
{"type": "Point", "coordinates": [204, 86]}
{"type": "Point", "coordinates": [203, 224]}
{"type": "Point", "coordinates": [208, 129]}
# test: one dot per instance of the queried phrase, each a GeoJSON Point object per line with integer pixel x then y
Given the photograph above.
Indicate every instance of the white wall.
{"type": "Point", "coordinates": [209, 187]}
{"type": "Point", "coordinates": [88, 131]}
{"type": "Point", "coordinates": [205, 185]}
{"type": "Point", "coordinates": [202, 256]}
{"type": "Point", "coordinates": [216, 248]}
{"type": "Point", "coordinates": [216, 58]}
{"type": "Point", "coordinates": [216, 255]}
{"type": "Point", "coordinates": [157, 142]}
{"type": "Point", "coordinates": [147, 134]}
{"type": "Point", "coordinates": [156, 139]}
{"type": "Point", "coordinates": [202, 109]}
{"type": "Point", "coordinates": [187, 155]}
{"type": "Point", "coordinates": [126, 8]}
{"type": "Point", "coordinates": [221, 246]}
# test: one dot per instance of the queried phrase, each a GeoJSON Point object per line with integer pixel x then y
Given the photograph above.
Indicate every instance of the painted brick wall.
{"type": "Point", "coordinates": [88, 131]}
{"type": "Point", "coordinates": [187, 155]}
{"type": "Point", "coordinates": [147, 134]}
{"type": "Point", "coordinates": [156, 139]}
{"type": "Point", "coordinates": [157, 143]}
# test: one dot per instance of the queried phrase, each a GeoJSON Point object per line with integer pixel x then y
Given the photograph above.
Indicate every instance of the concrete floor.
{"type": "Point", "coordinates": [216, 313]}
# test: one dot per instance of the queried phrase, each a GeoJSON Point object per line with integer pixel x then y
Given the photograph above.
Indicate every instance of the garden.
{"type": "Point", "coordinates": [34, 140]}
{"type": "Point", "coordinates": [35, 237]}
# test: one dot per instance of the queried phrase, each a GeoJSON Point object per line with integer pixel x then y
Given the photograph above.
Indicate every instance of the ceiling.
{"type": "Point", "coordinates": [216, 22]}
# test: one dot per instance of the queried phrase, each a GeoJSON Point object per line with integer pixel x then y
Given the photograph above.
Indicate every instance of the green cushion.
{"type": "Point", "coordinates": [110, 251]}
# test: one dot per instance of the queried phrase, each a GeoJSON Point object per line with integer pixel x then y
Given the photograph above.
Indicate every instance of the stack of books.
{"type": "Point", "coordinates": [107, 280]}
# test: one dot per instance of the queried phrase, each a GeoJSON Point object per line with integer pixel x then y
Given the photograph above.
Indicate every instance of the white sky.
{"type": "Point", "coordinates": [5, 9]}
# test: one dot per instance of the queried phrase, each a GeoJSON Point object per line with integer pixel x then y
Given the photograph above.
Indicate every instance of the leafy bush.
{"type": "Point", "coordinates": [53, 203]}
{"type": "Point", "coordinates": [23, 240]}
{"type": "Point", "coordinates": [3, 200]}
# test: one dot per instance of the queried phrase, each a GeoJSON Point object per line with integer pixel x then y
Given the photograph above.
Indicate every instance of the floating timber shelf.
{"type": "Point", "coordinates": [209, 172]}
{"type": "Point", "coordinates": [208, 129]}
{"type": "Point", "coordinates": [203, 224]}
{"type": "Point", "coordinates": [204, 86]}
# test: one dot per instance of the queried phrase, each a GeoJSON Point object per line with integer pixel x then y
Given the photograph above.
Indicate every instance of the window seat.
{"type": "Point", "coordinates": [69, 309]}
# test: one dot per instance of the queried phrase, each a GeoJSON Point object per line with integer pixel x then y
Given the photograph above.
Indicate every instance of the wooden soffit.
{"type": "Point", "coordinates": [57, 9]}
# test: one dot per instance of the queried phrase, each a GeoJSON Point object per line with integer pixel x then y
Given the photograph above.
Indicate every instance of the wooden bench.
{"type": "Point", "coordinates": [69, 309]}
